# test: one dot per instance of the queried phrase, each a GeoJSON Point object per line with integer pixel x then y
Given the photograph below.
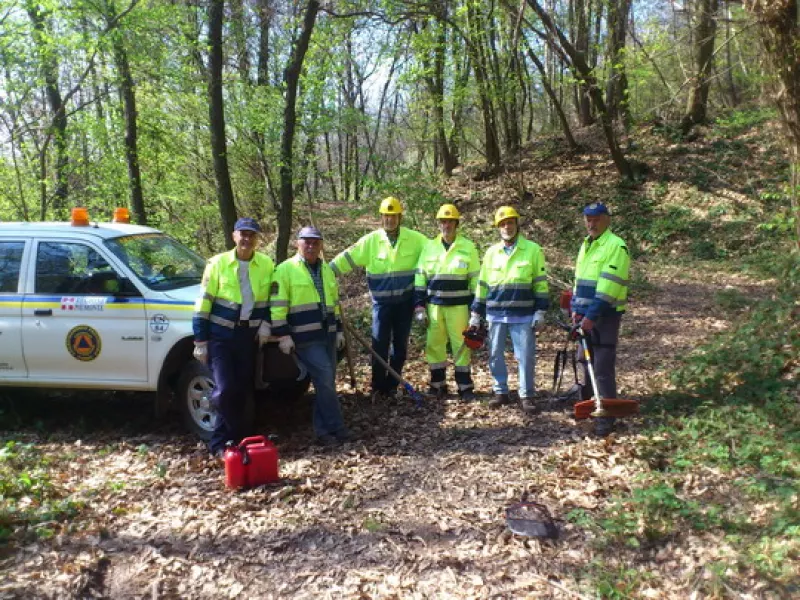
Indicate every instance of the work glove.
{"type": "Point", "coordinates": [286, 344]}
{"type": "Point", "coordinates": [538, 320]}
{"type": "Point", "coordinates": [264, 331]}
{"type": "Point", "coordinates": [475, 320]}
{"type": "Point", "coordinates": [421, 316]}
{"type": "Point", "coordinates": [339, 340]}
{"type": "Point", "coordinates": [201, 352]}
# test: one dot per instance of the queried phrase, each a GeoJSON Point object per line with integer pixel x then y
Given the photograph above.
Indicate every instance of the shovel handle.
{"type": "Point", "coordinates": [406, 386]}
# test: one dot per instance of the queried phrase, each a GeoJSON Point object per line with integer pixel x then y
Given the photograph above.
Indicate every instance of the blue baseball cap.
{"type": "Point", "coordinates": [247, 224]}
{"type": "Point", "coordinates": [595, 209]}
{"type": "Point", "coordinates": [309, 232]}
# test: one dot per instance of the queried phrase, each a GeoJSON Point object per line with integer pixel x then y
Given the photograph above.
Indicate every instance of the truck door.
{"type": "Point", "coordinates": [80, 324]}
{"type": "Point", "coordinates": [12, 363]}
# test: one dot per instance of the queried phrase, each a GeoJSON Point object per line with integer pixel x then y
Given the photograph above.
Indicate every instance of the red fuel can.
{"type": "Point", "coordinates": [565, 302]}
{"type": "Point", "coordinates": [253, 462]}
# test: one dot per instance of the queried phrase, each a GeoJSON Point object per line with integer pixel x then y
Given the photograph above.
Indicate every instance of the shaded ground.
{"type": "Point", "coordinates": [414, 509]}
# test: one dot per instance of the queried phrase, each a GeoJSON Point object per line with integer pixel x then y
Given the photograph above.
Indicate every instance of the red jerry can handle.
{"type": "Point", "coordinates": [566, 299]}
{"type": "Point", "coordinates": [255, 439]}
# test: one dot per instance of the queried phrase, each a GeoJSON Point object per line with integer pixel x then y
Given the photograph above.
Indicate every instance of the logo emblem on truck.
{"type": "Point", "coordinates": [83, 343]}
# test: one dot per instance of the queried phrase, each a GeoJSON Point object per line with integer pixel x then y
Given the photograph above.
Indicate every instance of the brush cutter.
{"type": "Point", "coordinates": [598, 406]}
{"type": "Point", "coordinates": [418, 398]}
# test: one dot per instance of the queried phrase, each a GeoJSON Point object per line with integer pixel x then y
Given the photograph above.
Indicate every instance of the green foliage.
{"type": "Point", "coordinates": [735, 413]}
{"type": "Point", "coordinates": [30, 504]}
{"type": "Point", "coordinates": [737, 122]}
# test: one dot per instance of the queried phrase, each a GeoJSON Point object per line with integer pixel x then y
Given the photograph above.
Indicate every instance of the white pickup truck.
{"type": "Point", "coordinates": [107, 306]}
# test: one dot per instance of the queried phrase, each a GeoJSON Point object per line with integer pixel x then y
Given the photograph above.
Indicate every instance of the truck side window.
{"type": "Point", "coordinates": [10, 261]}
{"type": "Point", "coordinates": [72, 268]}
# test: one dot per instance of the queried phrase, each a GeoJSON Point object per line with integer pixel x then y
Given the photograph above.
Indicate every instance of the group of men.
{"type": "Point", "coordinates": [441, 284]}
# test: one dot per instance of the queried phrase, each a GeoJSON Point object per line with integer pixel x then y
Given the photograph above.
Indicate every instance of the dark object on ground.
{"type": "Point", "coordinates": [531, 519]}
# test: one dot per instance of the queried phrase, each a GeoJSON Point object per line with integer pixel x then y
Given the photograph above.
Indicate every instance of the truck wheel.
{"type": "Point", "coordinates": [193, 394]}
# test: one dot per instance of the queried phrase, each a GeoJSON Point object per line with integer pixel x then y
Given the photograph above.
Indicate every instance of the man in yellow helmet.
{"type": "Point", "coordinates": [390, 257]}
{"type": "Point", "coordinates": [512, 295]}
{"type": "Point", "coordinates": [599, 298]}
{"type": "Point", "coordinates": [447, 275]}
{"type": "Point", "coordinates": [231, 313]}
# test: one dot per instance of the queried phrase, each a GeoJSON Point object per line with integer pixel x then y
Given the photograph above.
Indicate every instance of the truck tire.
{"type": "Point", "coordinates": [193, 394]}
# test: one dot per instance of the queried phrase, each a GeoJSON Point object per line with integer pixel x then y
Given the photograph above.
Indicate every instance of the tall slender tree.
{"type": "Point", "coordinates": [291, 81]}
{"type": "Point", "coordinates": [703, 51]}
{"type": "Point", "coordinates": [216, 117]}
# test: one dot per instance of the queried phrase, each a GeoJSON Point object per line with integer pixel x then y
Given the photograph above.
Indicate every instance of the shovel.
{"type": "Point", "coordinates": [418, 398]}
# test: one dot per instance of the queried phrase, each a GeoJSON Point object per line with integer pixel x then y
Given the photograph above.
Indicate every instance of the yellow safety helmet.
{"type": "Point", "coordinates": [503, 213]}
{"type": "Point", "coordinates": [391, 206]}
{"type": "Point", "coordinates": [448, 211]}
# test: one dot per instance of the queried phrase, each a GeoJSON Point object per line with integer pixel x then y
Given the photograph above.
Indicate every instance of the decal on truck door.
{"type": "Point", "coordinates": [83, 343]}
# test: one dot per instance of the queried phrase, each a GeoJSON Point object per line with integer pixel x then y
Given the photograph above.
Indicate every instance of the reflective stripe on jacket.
{"type": "Point", "coordinates": [219, 305]}
{"type": "Point", "coordinates": [390, 269]}
{"type": "Point", "coordinates": [601, 276]}
{"type": "Point", "coordinates": [512, 285]}
{"type": "Point", "coordinates": [295, 302]}
{"type": "Point", "coordinates": [447, 277]}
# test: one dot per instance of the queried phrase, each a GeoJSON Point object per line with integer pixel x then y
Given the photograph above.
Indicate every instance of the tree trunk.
{"type": "Point", "coordinates": [585, 116]}
{"type": "Point", "coordinates": [216, 114]}
{"type": "Point", "coordinates": [704, 38]}
{"type": "Point", "coordinates": [474, 47]}
{"type": "Point", "coordinates": [443, 158]}
{"type": "Point", "coordinates": [131, 133]}
{"type": "Point", "coordinates": [617, 88]}
{"type": "Point", "coordinates": [556, 105]}
{"type": "Point", "coordinates": [291, 79]}
{"type": "Point", "coordinates": [582, 70]}
{"type": "Point", "coordinates": [58, 128]}
{"type": "Point", "coordinates": [780, 32]}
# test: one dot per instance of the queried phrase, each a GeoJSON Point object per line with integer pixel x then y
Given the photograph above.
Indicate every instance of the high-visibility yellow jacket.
{"type": "Point", "coordinates": [219, 305]}
{"type": "Point", "coordinates": [296, 306]}
{"type": "Point", "coordinates": [512, 284]}
{"type": "Point", "coordinates": [390, 269]}
{"type": "Point", "coordinates": [601, 276]}
{"type": "Point", "coordinates": [447, 277]}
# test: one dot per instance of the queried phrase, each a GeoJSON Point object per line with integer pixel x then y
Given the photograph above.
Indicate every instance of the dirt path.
{"type": "Point", "coordinates": [414, 510]}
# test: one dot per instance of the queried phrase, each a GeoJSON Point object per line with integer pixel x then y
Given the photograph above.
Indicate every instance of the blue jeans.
{"type": "Point", "coordinates": [320, 360]}
{"type": "Point", "coordinates": [391, 324]}
{"type": "Point", "coordinates": [523, 338]}
{"type": "Point", "coordinates": [231, 363]}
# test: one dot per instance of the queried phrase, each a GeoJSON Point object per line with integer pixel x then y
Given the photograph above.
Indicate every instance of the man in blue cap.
{"type": "Point", "coordinates": [305, 316]}
{"type": "Point", "coordinates": [230, 314]}
{"type": "Point", "coordinates": [598, 301]}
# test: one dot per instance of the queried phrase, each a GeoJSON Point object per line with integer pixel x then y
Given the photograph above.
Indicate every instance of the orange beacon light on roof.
{"type": "Point", "coordinates": [121, 215]}
{"type": "Point", "coordinates": [80, 216]}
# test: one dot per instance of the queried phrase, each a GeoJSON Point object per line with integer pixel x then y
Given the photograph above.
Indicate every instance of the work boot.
{"type": "Point", "coordinates": [530, 406]}
{"type": "Point", "coordinates": [499, 400]}
{"type": "Point", "coordinates": [604, 426]}
{"type": "Point", "coordinates": [467, 397]}
{"type": "Point", "coordinates": [378, 396]}
{"type": "Point", "coordinates": [440, 393]}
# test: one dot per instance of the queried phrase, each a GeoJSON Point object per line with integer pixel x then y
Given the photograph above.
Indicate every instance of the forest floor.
{"type": "Point", "coordinates": [415, 507]}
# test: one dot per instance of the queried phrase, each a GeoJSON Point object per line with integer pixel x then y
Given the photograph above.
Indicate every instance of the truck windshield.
{"type": "Point", "coordinates": [160, 262]}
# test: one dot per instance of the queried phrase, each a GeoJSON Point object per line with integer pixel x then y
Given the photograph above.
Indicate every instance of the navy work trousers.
{"type": "Point", "coordinates": [231, 362]}
{"type": "Point", "coordinates": [603, 347]}
{"type": "Point", "coordinates": [391, 325]}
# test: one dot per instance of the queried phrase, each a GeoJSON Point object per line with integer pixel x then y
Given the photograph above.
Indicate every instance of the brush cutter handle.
{"type": "Point", "coordinates": [599, 411]}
